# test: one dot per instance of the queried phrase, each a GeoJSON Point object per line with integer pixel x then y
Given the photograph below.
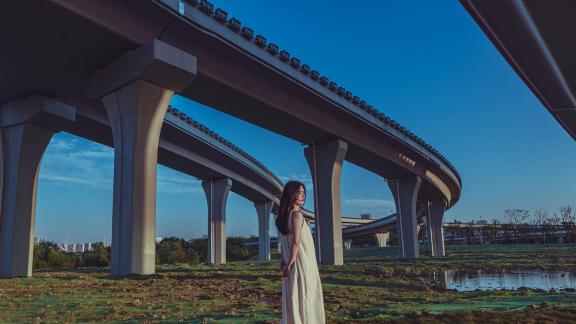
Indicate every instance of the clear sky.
{"type": "Point", "coordinates": [424, 63]}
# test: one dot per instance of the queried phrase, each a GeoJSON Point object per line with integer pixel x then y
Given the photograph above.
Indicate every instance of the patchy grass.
{"type": "Point", "coordinates": [372, 286]}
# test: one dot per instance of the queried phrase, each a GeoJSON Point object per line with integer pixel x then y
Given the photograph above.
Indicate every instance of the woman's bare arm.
{"type": "Point", "coordinates": [297, 220]}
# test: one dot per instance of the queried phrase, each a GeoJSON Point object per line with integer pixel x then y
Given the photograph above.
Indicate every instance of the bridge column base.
{"type": "Point", "coordinates": [405, 192]}
{"type": "Point", "coordinates": [382, 239]}
{"type": "Point", "coordinates": [22, 145]}
{"type": "Point", "coordinates": [434, 229]}
{"type": "Point", "coordinates": [263, 209]}
{"type": "Point", "coordinates": [325, 162]}
{"type": "Point", "coordinates": [216, 191]}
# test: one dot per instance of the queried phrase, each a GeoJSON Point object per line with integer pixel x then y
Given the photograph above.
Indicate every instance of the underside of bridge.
{"type": "Point", "coordinates": [126, 59]}
{"type": "Point", "coordinates": [535, 38]}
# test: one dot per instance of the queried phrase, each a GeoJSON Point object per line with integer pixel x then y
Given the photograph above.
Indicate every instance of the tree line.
{"type": "Point", "coordinates": [520, 226]}
{"type": "Point", "coordinates": [49, 256]}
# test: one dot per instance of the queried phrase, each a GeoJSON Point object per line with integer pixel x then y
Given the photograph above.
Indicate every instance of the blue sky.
{"type": "Point", "coordinates": [424, 63]}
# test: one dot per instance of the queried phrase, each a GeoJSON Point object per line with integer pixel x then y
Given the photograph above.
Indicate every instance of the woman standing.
{"type": "Point", "coordinates": [302, 300]}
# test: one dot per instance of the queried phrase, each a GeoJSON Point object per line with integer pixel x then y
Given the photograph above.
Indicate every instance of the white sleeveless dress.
{"type": "Point", "coordinates": [302, 299]}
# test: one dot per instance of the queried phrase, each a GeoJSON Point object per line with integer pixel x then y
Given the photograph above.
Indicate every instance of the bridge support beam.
{"type": "Point", "coordinates": [405, 192]}
{"type": "Point", "coordinates": [217, 195]}
{"type": "Point", "coordinates": [136, 90]}
{"type": "Point", "coordinates": [263, 209]}
{"type": "Point", "coordinates": [434, 229]}
{"type": "Point", "coordinates": [382, 239]}
{"type": "Point", "coordinates": [23, 142]}
{"type": "Point", "coordinates": [325, 162]}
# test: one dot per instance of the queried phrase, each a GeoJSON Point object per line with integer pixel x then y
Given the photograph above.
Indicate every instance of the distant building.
{"type": "Point", "coordinates": [70, 247]}
{"type": "Point", "coordinates": [37, 240]}
{"type": "Point", "coordinates": [482, 222]}
{"type": "Point", "coordinates": [79, 247]}
{"type": "Point", "coordinates": [87, 247]}
{"type": "Point", "coordinates": [366, 216]}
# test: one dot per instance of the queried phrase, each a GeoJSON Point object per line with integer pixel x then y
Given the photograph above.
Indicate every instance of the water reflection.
{"type": "Point", "coordinates": [509, 280]}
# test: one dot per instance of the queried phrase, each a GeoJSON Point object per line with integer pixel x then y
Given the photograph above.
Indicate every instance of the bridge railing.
{"type": "Point", "coordinates": [181, 115]}
{"type": "Point", "coordinates": [284, 56]}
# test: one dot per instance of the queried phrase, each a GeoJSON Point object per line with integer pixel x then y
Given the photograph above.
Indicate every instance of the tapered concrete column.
{"type": "Point", "coordinates": [405, 192]}
{"type": "Point", "coordinates": [22, 149]}
{"type": "Point", "coordinates": [325, 162]}
{"type": "Point", "coordinates": [382, 238]}
{"type": "Point", "coordinates": [434, 227]}
{"type": "Point", "coordinates": [216, 195]}
{"type": "Point", "coordinates": [348, 244]}
{"type": "Point", "coordinates": [136, 113]}
{"type": "Point", "coordinates": [263, 209]}
{"type": "Point", "coordinates": [136, 90]}
{"type": "Point", "coordinates": [22, 145]}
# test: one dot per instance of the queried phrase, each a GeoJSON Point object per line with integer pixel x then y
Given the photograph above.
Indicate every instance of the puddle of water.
{"type": "Point", "coordinates": [508, 280]}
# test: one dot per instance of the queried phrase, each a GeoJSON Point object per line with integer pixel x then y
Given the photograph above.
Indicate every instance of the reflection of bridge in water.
{"type": "Point", "coordinates": [110, 80]}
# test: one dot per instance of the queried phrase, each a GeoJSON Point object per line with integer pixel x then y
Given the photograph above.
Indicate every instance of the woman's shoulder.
{"type": "Point", "coordinates": [297, 213]}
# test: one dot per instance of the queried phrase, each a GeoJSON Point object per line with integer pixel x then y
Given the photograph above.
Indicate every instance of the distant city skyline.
{"type": "Point", "coordinates": [427, 65]}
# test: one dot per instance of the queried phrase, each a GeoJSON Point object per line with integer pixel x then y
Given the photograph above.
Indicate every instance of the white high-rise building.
{"type": "Point", "coordinates": [71, 247]}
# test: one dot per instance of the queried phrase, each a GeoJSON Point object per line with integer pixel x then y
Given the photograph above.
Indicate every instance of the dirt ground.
{"type": "Point", "coordinates": [372, 286]}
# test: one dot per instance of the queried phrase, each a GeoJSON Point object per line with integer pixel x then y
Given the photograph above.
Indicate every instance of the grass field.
{"type": "Point", "coordinates": [371, 286]}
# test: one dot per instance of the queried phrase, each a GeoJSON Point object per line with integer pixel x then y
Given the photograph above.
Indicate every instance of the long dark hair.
{"type": "Point", "coordinates": [289, 196]}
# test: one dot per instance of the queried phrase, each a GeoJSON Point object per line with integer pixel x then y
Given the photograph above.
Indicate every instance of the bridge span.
{"type": "Point", "coordinates": [185, 145]}
{"type": "Point", "coordinates": [535, 38]}
{"type": "Point", "coordinates": [132, 56]}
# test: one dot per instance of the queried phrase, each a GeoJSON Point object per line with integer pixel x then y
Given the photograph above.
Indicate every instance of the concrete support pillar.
{"type": "Point", "coordinates": [216, 195]}
{"type": "Point", "coordinates": [325, 162]}
{"type": "Point", "coordinates": [263, 209]}
{"type": "Point", "coordinates": [136, 113]}
{"type": "Point", "coordinates": [136, 90]}
{"type": "Point", "coordinates": [22, 145]}
{"type": "Point", "coordinates": [405, 192]}
{"type": "Point", "coordinates": [382, 238]}
{"type": "Point", "coordinates": [22, 149]}
{"type": "Point", "coordinates": [434, 228]}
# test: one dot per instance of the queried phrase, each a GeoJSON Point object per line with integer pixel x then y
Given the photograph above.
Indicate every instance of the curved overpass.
{"type": "Point", "coordinates": [124, 51]}
{"type": "Point", "coordinates": [189, 147]}
{"type": "Point", "coordinates": [186, 146]}
{"type": "Point", "coordinates": [354, 227]}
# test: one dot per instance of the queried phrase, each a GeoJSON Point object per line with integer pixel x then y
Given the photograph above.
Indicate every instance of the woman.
{"type": "Point", "coordinates": [302, 300]}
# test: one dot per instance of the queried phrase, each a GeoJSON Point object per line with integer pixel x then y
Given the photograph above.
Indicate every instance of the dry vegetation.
{"type": "Point", "coordinates": [372, 286]}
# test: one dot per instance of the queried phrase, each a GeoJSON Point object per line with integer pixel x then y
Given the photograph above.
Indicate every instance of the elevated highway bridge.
{"type": "Point", "coordinates": [125, 60]}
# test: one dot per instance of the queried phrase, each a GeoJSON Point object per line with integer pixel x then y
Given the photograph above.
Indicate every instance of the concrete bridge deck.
{"type": "Point", "coordinates": [132, 56]}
